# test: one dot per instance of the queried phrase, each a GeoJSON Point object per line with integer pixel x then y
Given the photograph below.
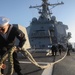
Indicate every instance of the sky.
{"type": "Point", "coordinates": [18, 12]}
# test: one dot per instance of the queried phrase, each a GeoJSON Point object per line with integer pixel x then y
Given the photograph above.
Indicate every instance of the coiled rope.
{"type": "Point", "coordinates": [10, 61]}
{"type": "Point", "coordinates": [28, 55]}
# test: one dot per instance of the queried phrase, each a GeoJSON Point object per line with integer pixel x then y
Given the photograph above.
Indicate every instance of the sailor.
{"type": "Point", "coordinates": [60, 47]}
{"type": "Point", "coordinates": [8, 33]}
{"type": "Point", "coordinates": [54, 49]}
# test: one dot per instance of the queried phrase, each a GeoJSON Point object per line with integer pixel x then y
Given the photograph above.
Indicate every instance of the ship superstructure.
{"type": "Point", "coordinates": [46, 30]}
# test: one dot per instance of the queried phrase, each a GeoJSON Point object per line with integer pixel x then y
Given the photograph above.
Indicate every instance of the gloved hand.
{"type": "Point", "coordinates": [17, 48]}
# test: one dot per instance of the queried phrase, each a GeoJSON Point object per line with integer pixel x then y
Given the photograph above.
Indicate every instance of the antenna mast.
{"type": "Point", "coordinates": [45, 11]}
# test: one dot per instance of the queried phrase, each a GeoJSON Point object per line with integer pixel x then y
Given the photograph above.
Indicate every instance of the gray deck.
{"type": "Point", "coordinates": [65, 67]}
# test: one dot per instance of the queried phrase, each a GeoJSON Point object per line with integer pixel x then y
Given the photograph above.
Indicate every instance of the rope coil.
{"type": "Point", "coordinates": [28, 55]}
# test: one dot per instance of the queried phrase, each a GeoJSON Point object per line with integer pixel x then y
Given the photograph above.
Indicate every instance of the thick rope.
{"type": "Point", "coordinates": [28, 55]}
{"type": "Point", "coordinates": [61, 58]}
{"type": "Point", "coordinates": [10, 60]}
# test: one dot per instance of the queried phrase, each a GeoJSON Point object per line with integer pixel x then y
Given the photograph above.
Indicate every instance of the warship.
{"type": "Point", "coordinates": [46, 30]}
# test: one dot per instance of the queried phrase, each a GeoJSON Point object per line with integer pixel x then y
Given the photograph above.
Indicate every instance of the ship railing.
{"type": "Point", "coordinates": [39, 50]}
